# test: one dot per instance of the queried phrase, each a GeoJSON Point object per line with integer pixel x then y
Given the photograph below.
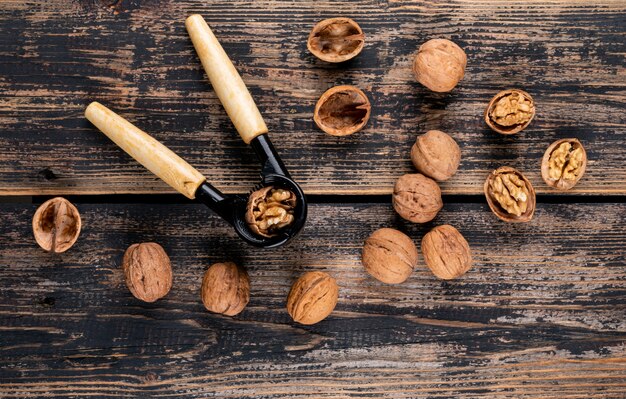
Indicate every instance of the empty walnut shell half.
{"type": "Point", "coordinates": [225, 289]}
{"type": "Point", "coordinates": [563, 164]}
{"type": "Point", "coordinates": [56, 225]}
{"type": "Point", "coordinates": [417, 198]}
{"type": "Point", "coordinates": [510, 195]}
{"type": "Point", "coordinates": [312, 298]}
{"type": "Point", "coordinates": [446, 252]}
{"type": "Point", "coordinates": [270, 210]}
{"type": "Point", "coordinates": [148, 271]}
{"type": "Point", "coordinates": [510, 111]}
{"type": "Point", "coordinates": [336, 40]}
{"type": "Point", "coordinates": [342, 110]}
{"type": "Point", "coordinates": [389, 256]}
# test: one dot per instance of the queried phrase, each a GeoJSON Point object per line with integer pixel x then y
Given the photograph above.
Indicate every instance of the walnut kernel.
{"type": "Point", "coordinates": [148, 271]}
{"type": "Point", "coordinates": [510, 195]}
{"type": "Point", "coordinates": [56, 225]}
{"type": "Point", "coordinates": [417, 198]}
{"type": "Point", "coordinates": [269, 210]}
{"type": "Point", "coordinates": [510, 111]}
{"type": "Point", "coordinates": [436, 155]}
{"type": "Point", "coordinates": [342, 110]}
{"type": "Point", "coordinates": [312, 298]}
{"type": "Point", "coordinates": [563, 164]}
{"type": "Point", "coordinates": [389, 256]}
{"type": "Point", "coordinates": [225, 289]}
{"type": "Point", "coordinates": [439, 65]}
{"type": "Point", "coordinates": [446, 252]}
{"type": "Point", "coordinates": [336, 40]}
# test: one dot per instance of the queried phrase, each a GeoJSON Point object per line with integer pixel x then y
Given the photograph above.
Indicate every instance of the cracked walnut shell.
{"type": "Point", "coordinates": [389, 256]}
{"type": "Point", "coordinates": [225, 289]}
{"type": "Point", "coordinates": [336, 40]}
{"type": "Point", "coordinates": [510, 195]}
{"type": "Point", "coordinates": [510, 111]}
{"type": "Point", "coordinates": [563, 164]}
{"type": "Point", "coordinates": [436, 155]}
{"type": "Point", "coordinates": [148, 271]}
{"type": "Point", "coordinates": [56, 225]}
{"type": "Point", "coordinates": [342, 110]}
{"type": "Point", "coordinates": [439, 65]}
{"type": "Point", "coordinates": [417, 198]}
{"type": "Point", "coordinates": [312, 298]}
{"type": "Point", "coordinates": [269, 210]}
{"type": "Point", "coordinates": [446, 252]}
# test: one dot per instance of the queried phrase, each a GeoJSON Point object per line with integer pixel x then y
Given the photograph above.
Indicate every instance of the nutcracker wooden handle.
{"type": "Point", "coordinates": [225, 79]}
{"type": "Point", "coordinates": [156, 157]}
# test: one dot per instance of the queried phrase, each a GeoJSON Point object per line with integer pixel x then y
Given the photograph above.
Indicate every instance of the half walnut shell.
{"type": "Point", "coordinates": [56, 225]}
{"type": "Point", "coordinates": [563, 164]}
{"type": "Point", "coordinates": [510, 111]}
{"type": "Point", "coordinates": [510, 195]}
{"type": "Point", "coordinates": [342, 110]}
{"type": "Point", "coordinates": [336, 40]}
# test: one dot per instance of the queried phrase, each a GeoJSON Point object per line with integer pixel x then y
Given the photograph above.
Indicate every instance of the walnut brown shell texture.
{"type": "Point", "coordinates": [270, 210]}
{"type": "Point", "coordinates": [312, 298]}
{"type": "Point", "coordinates": [342, 110]}
{"type": "Point", "coordinates": [446, 252]}
{"type": "Point", "coordinates": [336, 40]}
{"type": "Point", "coordinates": [148, 271]}
{"type": "Point", "coordinates": [225, 289]}
{"type": "Point", "coordinates": [56, 225]}
{"type": "Point", "coordinates": [510, 195]}
{"type": "Point", "coordinates": [417, 198]}
{"type": "Point", "coordinates": [563, 164]}
{"type": "Point", "coordinates": [389, 256]}
{"type": "Point", "coordinates": [436, 155]}
{"type": "Point", "coordinates": [510, 111]}
{"type": "Point", "coordinates": [440, 65]}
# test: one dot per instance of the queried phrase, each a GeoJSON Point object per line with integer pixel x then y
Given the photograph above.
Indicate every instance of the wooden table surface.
{"type": "Point", "coordinates": [541, 314]}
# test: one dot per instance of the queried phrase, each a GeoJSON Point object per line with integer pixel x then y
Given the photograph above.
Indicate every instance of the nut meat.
{"type": "Point", "coordinates": [270, 210]}
{"type": "Point", "coordinates": [148, 271]}
{"type": "Point", "coordinates": [439, 65]}
{"type": "Point", "coordinates": [312, 298]}
{"type": "Point", "coordinates": [510, 111]}
{"type": "Point", "coordinates": [225, 289]}
{"type": "Point", "coordinates": [417, 198]}
{"type": "Point", "coordinates": [56, 225]}
{"type": "Point", "coordinates": [563, 164]}
{"type": "Point", "coordinates": [510, 195]}
{"type": "Point", "coordinates": [446, 252]}
{"type": "Point", "coordinates": [336, 40]}
{"type": "Point", "coordinates": [389, 256]}
{"type": "Point", "coordinates": [436, 155]}
{"type": "Point", "coordinates": [342, 110]}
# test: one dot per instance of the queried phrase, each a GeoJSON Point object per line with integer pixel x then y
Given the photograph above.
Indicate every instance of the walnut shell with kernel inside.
{"type": "Point", "coordinates": [389, 256]}
{"type": "Point", "coordinates": [563, 164]}
{"type": "Point", "coordinates": [56, 225]}
{"type": "Point", "coordinates": [312, 297]}
{"type": "Point", "coordinates": [510, 111]}
{"type": "Point", "coordinates": [439, 65]}
{"type": "Point", "coordinates": [342, 111]}
{"type": "Point", "coordinates": [446, 252]}
{"type": "Point", "coordinates": [510, 195]}
{"type": "Point", "coordinates": [148, 271]}
{"type": "Point", "coordinates": [225, 289]}
{"type": "Point", "coordinates": [417, 198]}
{"type": "Point", "coordinates": [436, 155]}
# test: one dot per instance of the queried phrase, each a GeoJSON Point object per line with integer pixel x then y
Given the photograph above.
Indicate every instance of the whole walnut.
{"type": "Point", "coordinates": [56, 225]}
{"type": "Point", "coordinates": [439, 65]}
{"type": "Point", "coordinates": [436, 155]}
{"type": "Point", "coordinates": [312, 298]}
{"type": "Point", "coordinates": [225, 289]}
{"type": "Point", "coordinates": [417, 198]}
{"type": "Point", "coordinates": [148, 271]}
{"type": "Point", "coordinates": [389, 256]}
{"type": "Point", "coordinates": [446, 252]}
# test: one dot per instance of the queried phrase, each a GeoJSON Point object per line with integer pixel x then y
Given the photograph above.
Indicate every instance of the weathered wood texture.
{"type": "Point", "coordinates": [541, 314]}
{"type": "Point", "coordinates": [57, 56]}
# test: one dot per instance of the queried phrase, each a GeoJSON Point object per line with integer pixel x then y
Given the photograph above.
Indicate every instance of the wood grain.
{"type": "Point", "coordinates": [541, 314]}
{"type": "Point", "coordinates": [136, 57]}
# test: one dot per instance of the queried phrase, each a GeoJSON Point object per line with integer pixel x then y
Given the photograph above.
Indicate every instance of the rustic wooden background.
{"type": "Point", "coordinates": [541, 314]}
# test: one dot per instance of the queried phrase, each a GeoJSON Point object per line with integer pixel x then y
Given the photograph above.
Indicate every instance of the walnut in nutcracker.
{"type": "Point", "coordinates": [225, 289]}
{"type": "Point", "coordinates": [269, 210]}
{"type": "Point", "coordinates": [436, 155]}
{"type": "Point", "coordinates": [389, 256]}
{"type": "Point", "coordinates": [510, 111]}
{"type": "Point", "coordinates": [564, 163]}
{"type": "Point", "coordinates": [56, 225]}
{"type": "Point", "coordinates": [148, 271]}
{"type": "Point", "coordinates": [312, 297]}
{"type": "Point", "coordinates": [510, 195]}
{"type": "Point", "coordinates": [446, 252]}
{"type": "Point", "coordinates": [336, 40]}
{"type": "Point", "coordinates": [417, 198]}
{"type": "Point", "coordinates": [439, 65]}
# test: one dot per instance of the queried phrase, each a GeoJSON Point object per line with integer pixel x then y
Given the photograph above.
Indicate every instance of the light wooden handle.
{"type": "Point", "coordinates": [156, 157]}
{"type": "Point", "coordinates": [225, 79]}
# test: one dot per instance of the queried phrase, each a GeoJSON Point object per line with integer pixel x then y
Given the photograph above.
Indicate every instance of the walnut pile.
{"type": "Point", "coordinates": [564, 163]}
{"type": "Point", "coordinates": [336, 40]}
{"type": "Point", "coordinates": [56, 225]}
{"type": "Point", "coordinates": [510, 195]}
{"type": "Point", "coordinates": [510, 111]}
{"type": "Point", "coordinates": [270, 210]}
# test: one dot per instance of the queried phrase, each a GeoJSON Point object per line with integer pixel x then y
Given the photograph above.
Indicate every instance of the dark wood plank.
{"type": "Point", "coordinates": [541, 314]}
{"type": "Point", "coordinates": [57, 56]}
